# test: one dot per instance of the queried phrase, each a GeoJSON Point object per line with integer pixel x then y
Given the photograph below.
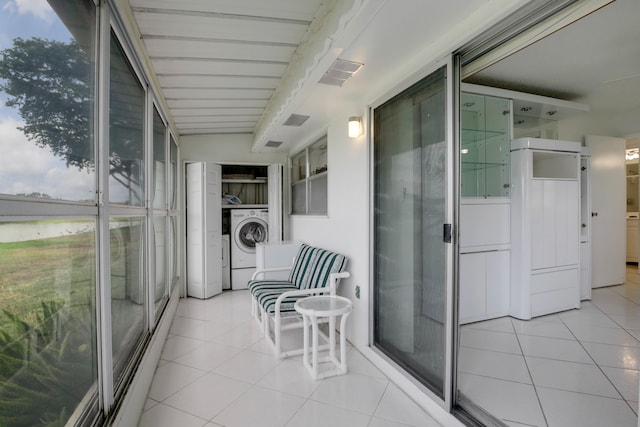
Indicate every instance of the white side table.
{"type": "Point", "coordinates": [315, 308]}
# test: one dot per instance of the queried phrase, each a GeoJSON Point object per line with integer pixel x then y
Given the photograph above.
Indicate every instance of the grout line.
{"type": "Point", "coordinates": [535, 389]}
{"type": "Point", "coordinates": [594, 361]}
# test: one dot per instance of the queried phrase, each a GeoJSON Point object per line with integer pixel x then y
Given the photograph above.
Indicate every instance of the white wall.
{"type": "Point", "coordinates": [618, 125]}
{"type": "Point", "coordinates": [346, 227]}
{"type": "Point", "coordinates": [234, 148]}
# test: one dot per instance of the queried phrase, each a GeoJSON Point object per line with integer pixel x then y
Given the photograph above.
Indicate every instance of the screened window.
{"type": "Point", "coordinates": [127, 239]}
{"type": "Point", "coordinates": [309, 180]}
{"type": "Point", "coordinates": [47, 102]}
{"type": "Point", "coordinates": [56, 258]}
{"type": "Point", "coordinates": [48, 265]}
{"type": "Point", "coordinates": [126, 131]}
{"type": "Point", "coordinates": [48, 323]}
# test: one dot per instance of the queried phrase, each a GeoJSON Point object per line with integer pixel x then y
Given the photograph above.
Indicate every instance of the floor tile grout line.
{"type": "Point", "coordinates": [535, 389]}
{"type": "Point", "coordinates": [595, 362]}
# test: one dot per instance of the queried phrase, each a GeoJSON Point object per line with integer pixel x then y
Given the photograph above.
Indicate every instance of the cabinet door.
{"type": "Point", "coordinates": [608, 201]}
{"type": "Point", "coordinates": [543, 217]}
{"type": "Point", "coordinates": [567, 222]}
{"type": "Point", "coordinates": [498, 280]}
{"type": "Point", "coordinates": [213, 230]}
{"type": "Point", "coordinates": [195, 230]}
{"type": "Point", "coordinates": [472, 287]}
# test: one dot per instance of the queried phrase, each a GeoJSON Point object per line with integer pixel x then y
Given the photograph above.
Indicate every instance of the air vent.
{"type": "Point", "coordinates": [295, 120]}
{"type": "Point", "coordinates": [339, 72]}
{"type": "Point", "coordinates": [273, 144]}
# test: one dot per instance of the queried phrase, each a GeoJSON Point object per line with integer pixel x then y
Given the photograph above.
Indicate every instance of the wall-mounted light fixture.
{"type": "Point", "coordinates": [355, 126]}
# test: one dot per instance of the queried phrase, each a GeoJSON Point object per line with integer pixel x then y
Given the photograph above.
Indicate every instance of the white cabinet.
{"type": "Point", "coordinates": [204, 230]}
{"type": "Point", "coordinates": [484, 259]}
{"type": "Point", "coordinates": [545, 227]}
{"type": "Point", "coordinates": [608, 191]}
{"type": "Point", "coordinates": [484, 285]}
{"type": "Point", "coordinates": [585, 224]}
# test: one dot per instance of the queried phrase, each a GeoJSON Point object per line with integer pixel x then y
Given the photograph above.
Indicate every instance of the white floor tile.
{"type": "Point", "coordinates": [505, 400]}
{"type": "Point", "coordinates": [490, 340]}
{"type": "Point", "coordinates": [554, 348]}
{"type": "Point", "coordinates": [570, 376]}
{"type": "Point", "coordinates": [176, 346]}
{"type": "Point", "coordinates": [290, 376]}
{"type": "Point", "coordinates": [603, 335]}
{"type": "Point", "coordinates": [379, 422]}
{"type": "Point", "coordinates": [359, 393]}
{"type": "Point", "coordinates": [625, 380]}
{"type": "Point", "coordinates": [247, 366]}
{"type": "Point", "coordinates": [592, 317]}
{"type": "Point", "coordinates": [165, 416]}
{"type": "Point", "coordinates": [316, 414]}
{"type": "Point", "coordinates": [501, 324]}
{"type": "Point", "coordinates": [634, 332]}
{"type": "Point", "coordinates": [358, 364]}
{"type": "Point", "coordinates": [170, 378]}
{"type": "Point", "coordinates": [614, 355]}
{"type": "Point", "coordinates": [542, 329]}
{"type": "Point", "coordinates": [208, 356]}
{"type": "Point", "coordinates": [504, 366]}
{"type": "Point", "coordinates": [565, 408]}
{"type": "Point", "coordinates": [148, 404]}
{"type": "Point", "coordinates": [192, 328]}
{"type": "Point", "coordinates": [244, 336]}
{"type": "Point", "coordinates": [208, 395]}
{"type": "Point", "coordinates": [627, 322]}
{"type": "Point", "coordinates": [260, 407]}
{"type": "Point", "coordinates": [622, 308]}
{"type": "Point", "coordinates": [397, 406]}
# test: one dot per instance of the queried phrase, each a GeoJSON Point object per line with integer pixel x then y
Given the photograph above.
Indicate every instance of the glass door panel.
{"type": "Point", "coordinates": [410, 210]}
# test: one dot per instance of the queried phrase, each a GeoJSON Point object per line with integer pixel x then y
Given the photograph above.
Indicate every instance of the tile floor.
{"type": "Point", "coordinates": [217, 370]}
{"type": "Point", "coordinates": [575, 368]}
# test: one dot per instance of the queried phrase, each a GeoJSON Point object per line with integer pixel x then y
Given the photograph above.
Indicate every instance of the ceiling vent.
{"type": "Point", "coordinates": [339, 72]}
{"type": "Point", "coordinates": [273, 144]}
{"type": "Point", "coordinates": [295, 120]}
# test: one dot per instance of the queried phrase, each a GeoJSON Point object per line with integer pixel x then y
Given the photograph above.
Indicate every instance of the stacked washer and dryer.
{"type": "Point", "coordinates": [248, 228]}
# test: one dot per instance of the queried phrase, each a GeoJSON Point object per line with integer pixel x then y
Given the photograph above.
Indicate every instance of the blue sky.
{"type": "Point", "coordinates": [25, 167]}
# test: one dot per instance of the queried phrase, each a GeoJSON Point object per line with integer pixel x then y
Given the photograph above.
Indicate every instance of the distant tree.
{"type": "Point", "coordinates": [47, 81]}
{"type": "Point", "coordinates": [51, 85]}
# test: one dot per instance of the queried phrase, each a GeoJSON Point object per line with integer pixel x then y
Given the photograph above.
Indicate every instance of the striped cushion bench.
{"type": "Point", "coordinates": [310, 274]}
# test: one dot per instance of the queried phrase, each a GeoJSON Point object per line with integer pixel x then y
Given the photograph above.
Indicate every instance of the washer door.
{"type": "Point", "coordinates": [249, 232]}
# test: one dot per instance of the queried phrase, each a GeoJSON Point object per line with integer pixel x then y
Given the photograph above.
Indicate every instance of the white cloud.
{"type": "Point", "coordinates": [39, 8]}
{"type": "Point", "coordinates": [26, 167]}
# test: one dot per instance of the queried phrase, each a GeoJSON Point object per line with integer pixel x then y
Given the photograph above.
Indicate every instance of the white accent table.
{"type": "Point", "coordinates": [318, 307]}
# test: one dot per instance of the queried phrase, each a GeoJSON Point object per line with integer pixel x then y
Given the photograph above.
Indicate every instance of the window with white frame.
{"type": "Point", "coordinates": [88, 223]}
{"type": "Point", "coordinates": [309, 180]}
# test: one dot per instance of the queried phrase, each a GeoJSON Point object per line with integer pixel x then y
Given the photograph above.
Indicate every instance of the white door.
{"type": "Point", "coordinates": [213, 230]}
{"type": "Point", "coordinates": [608, 204]}
{"type": "Point", "coordinates": [204, 230]}
{"type": "Point", "coordinates": [275, 202]}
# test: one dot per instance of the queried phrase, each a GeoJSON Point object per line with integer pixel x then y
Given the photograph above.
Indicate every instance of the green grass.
{"type": "Point", "coordinates": [60, 269]}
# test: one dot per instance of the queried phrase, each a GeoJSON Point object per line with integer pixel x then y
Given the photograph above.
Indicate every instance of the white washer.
{"type": "Point", "coordinates": [248, 227]}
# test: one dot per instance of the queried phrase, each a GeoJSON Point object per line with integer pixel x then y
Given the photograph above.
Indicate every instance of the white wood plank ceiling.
{"type": "Point", "coordinates": [219, 61]}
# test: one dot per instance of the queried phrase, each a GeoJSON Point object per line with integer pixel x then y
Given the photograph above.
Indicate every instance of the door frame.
{"type": "Point", "coordinates": [452, 86]}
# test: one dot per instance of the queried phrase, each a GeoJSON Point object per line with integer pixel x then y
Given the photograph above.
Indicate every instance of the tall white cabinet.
{"type": "Point", "coordinates": [545, 227]}
{"type": "Point", "coordinates": [204, 230]}
{"type": "Point", "coordinates": [484, 207]}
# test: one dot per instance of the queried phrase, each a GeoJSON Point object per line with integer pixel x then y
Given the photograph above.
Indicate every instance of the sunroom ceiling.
{"type": "Point", "coordinates": [218, 63]}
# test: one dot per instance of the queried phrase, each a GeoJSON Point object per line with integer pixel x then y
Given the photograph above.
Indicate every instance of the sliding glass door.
{"type": "Point", "coordinates": [412, 258]}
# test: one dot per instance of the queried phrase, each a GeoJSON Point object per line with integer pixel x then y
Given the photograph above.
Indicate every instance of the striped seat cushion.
{"type": "Point", "coordinates": [324, 263]}
{"type": "Point", "coordinates": [255, 286]}
{"type": "Point", "coordinates": [302, 263]}
{"type": "Point", "coordinates": [267, 299]}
